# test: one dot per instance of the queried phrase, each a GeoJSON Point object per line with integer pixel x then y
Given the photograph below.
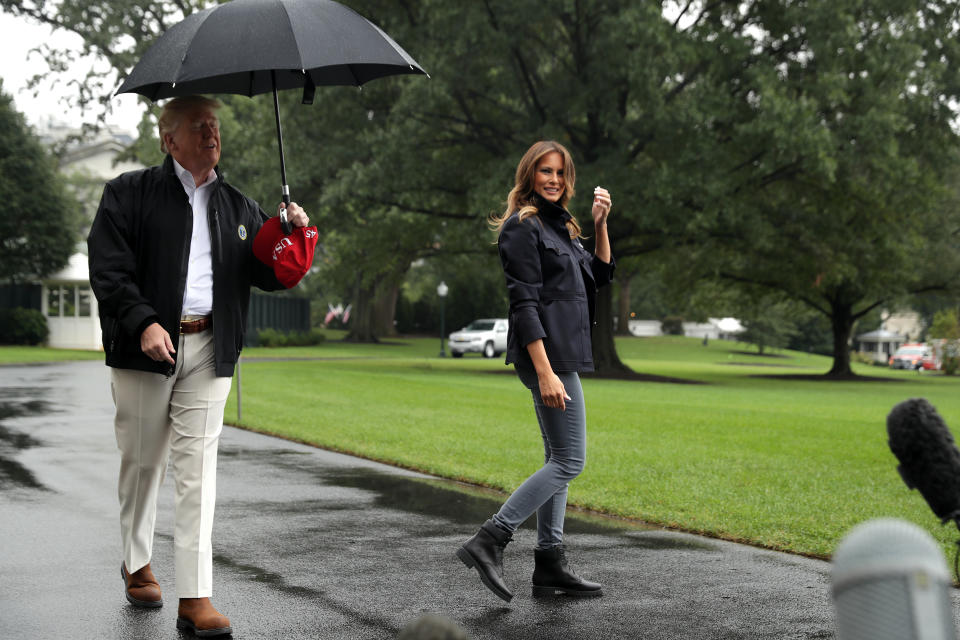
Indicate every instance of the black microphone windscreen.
{"type": "Point", "coordinates": [929, 458]}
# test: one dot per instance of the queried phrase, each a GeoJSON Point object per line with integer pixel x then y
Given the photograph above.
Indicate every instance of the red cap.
{"type": "Point", "coordinates": [290, 255]}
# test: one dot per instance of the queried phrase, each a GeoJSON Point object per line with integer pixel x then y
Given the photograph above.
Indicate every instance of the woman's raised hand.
{"type": "Point", "coordinates": [601, 206]}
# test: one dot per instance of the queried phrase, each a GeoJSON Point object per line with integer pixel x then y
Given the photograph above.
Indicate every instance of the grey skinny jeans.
{"type": "Point", "coordinates": [565, 448]}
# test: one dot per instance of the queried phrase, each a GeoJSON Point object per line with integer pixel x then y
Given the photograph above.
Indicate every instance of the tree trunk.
{"type": "Point", "coordinates": [841, 320]}
{"type": "Point", "coordinates": [385, 309]}
{"type": "Point", "coordinates": [623, 310]}
{"type": "Point", "coordinates": [361, 325]}
{"type": "Point", "coordinates": [605, 358]}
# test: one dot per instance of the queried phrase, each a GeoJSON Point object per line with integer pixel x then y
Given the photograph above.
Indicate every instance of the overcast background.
{"type": "Point", "coordinates": [17, 37]}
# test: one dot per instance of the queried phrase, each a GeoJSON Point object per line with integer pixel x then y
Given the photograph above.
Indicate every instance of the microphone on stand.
{"type": "Point", "coordinates": [929, 458]}
{"type": "Point", "coordinates": [890, 582]}
{"type": "Point", "coordinates": [890, 579]}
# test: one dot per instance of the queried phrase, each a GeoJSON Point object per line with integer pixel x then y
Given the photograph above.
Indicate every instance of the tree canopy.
{"type": "Point", "coordinates": [38, 230]}
{"type": "Point", "coordinates": [837, 142]}
{"type": "Point", "coordinates": [805, 148]}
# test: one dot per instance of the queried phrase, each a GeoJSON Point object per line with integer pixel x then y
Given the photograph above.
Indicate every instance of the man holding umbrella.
{"type": "Point", "coordinates": [171, 264]}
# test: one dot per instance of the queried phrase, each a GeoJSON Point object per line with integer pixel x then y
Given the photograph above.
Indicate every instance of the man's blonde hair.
{"type": "Point", "coordinates": [174, 110]}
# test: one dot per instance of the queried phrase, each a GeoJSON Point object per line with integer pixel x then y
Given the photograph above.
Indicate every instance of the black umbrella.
{"type": "Point", "coordinates": [250, 47]}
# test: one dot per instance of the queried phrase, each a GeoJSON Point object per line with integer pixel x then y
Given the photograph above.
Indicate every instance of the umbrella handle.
{"type": "Point", "coordinates": [284, 223]}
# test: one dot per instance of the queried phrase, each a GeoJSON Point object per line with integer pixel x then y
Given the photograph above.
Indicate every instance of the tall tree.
{"type": "Point", "coordinates": [505, 74]}
{"type": "Point", "coordinates": [836, 140]}
{"type": "Point", "coordinates": [38, 227]}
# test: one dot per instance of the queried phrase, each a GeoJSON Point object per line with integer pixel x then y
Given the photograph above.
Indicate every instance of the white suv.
{"type": "Point", "coordinates": [486, 336]}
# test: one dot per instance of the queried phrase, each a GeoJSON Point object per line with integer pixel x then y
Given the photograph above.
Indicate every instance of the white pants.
{"type": "Point", "coordinates": [183, 415]}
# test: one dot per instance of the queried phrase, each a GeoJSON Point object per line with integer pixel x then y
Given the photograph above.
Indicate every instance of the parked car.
{"type": "Point", "coordinates": [933, 361]}
{"type": "Point", "coordinates": [909, 356]}
{"type": "Point", "coordinates": [487, 336]}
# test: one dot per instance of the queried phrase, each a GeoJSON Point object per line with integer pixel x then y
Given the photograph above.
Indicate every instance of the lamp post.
{"type": "Point", "coordinates": [442, 290]}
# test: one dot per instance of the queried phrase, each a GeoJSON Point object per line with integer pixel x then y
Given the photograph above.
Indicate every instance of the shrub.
{"type": "Point", "coordinates": [863, 358]}
{"type": "Point", "coordinates": [317, 336]}
{"type": "Point", "coordinates": [950, 364]}
{"type": "Point", "coordinates": [274, 338]}
{"type": "Point", "coordinates": [950, 357]}
{"type": "Point", "coordinates": [23, 326]}
{"type": "Point", "coordinates": [305, 338]}
{"type": "Point", "coordinates": [946, 326]}
{"type": "Point", "coordinates": [271, 338]}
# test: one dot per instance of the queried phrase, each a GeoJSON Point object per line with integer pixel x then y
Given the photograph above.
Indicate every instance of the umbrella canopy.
{"type": "Point", "coordinates": [250, 47]}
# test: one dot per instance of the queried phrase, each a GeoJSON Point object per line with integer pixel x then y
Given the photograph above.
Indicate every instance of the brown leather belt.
{"type": "Point", "coordinates": [196, 326]}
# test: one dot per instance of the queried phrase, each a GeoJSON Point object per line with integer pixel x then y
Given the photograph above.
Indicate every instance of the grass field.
{"type": "Point", "coordinates": [31, 355]}
{"type": "Point", "coordinates": [748, 455]}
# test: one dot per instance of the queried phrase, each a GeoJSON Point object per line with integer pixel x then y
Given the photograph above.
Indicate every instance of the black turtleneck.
{"type": "Point", "coordinates": [552, 212]}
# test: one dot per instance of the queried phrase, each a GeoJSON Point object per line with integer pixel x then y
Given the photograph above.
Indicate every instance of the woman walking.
{"type": "Point", "coordinates": [552, 282]}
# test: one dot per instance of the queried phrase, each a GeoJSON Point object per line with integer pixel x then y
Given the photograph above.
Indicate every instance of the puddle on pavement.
{"type": "Point", "coordinates": [274, 580]}
{"type": "Point", "coordinates": [26, 408]}
{"type": "Point", "coordinates": [17, 440]}
{"type": "Point", "coordinates": [285, 507]}
{"type": "Point", "coordinates": [15, 475]}
{"type": "Point", "coordinates": [12, 473]}
{"type": "Point", "coordinates": [317, 597]}
{"type": "Point", "coordinates": [453, 501]}
{"type": "Point", "coordinates": [656, 541]}
{"type": "Point", "coordinates": [469, 505]}
{"type": "Point", "coordinates": [439, 498]}
{"type": "Point", "coordinates": [228, 450]}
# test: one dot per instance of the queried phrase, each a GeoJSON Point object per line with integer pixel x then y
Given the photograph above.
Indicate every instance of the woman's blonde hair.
{"type": "Point", "coordinates": [521, 197]}
{"type": "Point", "coordinates": [174, 110]}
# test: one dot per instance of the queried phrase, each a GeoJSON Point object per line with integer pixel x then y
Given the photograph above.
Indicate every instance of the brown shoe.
{"type": "Point", "coordinates": [199, 616]}
{"type": "Point", "coordinates": [141, 587]}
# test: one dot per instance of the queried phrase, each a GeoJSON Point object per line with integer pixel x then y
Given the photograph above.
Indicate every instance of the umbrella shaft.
{"type": "Point", "coordinates": [283, 164]}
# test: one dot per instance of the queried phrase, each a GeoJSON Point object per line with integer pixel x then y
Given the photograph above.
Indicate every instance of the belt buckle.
{"type": "Point", "coordinates": [192, 326]}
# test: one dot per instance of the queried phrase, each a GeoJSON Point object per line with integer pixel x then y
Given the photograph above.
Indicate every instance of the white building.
{"type": "Point", "coordinates": [645, 328]}
{"type": "Point", "coordinates": [906, 323]}
{"type": "Point", "coordinates": [67, 301]}
{"type": "Point", "coordinates": [896, 329]}
{"type": "Point", "coordinates": [712, 329]}
{"type": "Point", "coordinates": [880, 344]}
{"type": "Point", "coordinates": [70, 307]}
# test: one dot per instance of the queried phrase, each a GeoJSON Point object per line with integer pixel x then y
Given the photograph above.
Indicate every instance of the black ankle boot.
{"type": "Point", "coordinates": [485, 552]}
{"type": "Point", "coordinates": [553, 576]}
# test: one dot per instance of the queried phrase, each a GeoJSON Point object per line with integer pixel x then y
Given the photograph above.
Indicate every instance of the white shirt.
{"type": "Point", "coordinates": [198, 294]}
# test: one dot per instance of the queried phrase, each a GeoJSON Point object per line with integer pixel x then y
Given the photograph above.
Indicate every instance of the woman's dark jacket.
{"type": "Point", "coordinates": [139, 246]}
{"type": "Point", "coordinates": [552, 282]}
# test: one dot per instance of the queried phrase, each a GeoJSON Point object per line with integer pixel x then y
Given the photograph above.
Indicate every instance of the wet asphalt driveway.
{"type": "Point", "coordinates": [311, 544]}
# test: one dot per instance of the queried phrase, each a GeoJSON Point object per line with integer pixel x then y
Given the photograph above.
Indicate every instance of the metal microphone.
{"type": "Point", "coordinates": [891, 582]}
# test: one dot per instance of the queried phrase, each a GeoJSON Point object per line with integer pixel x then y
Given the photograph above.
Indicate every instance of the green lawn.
{"type": "Point", "coordinates": [787, 464]}
{"type": "Point", "coordinates": [30, 355]}
{"type": "Point", "coordinates": [749, 456]}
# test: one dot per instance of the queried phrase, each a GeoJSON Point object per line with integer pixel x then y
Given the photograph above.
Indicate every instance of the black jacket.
{"type": "Point", "coordinates": [139, 246]}
{"type": "Point", "coordinates": [552, 282]}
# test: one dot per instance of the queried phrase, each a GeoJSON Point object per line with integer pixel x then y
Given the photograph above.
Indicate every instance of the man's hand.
{"type": "Point", "coordinates": [155, 344]}
{"type": "Point", "coordinates": [295, 215]}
